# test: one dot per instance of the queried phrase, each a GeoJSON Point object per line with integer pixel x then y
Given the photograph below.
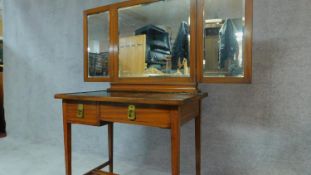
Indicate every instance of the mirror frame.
{"type": "Point", "coordinates": [87, 78]}
{"type": "Point", "coordinates": [248, 33]}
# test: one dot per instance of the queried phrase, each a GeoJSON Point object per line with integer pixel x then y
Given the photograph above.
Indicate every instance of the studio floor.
{"type": "Point", "coordinates": [19, 157]}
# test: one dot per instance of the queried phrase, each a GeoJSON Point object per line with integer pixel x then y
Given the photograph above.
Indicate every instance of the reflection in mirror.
{"type": "Point", "coordinates": [154, 39]}
{"type": "Point", "coordinates": [98, 44]}
{"type": "Point", "coordinates": [224, 22]}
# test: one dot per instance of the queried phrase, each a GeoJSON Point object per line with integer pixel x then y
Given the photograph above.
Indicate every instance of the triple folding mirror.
{"type": "Point", "coordinates": [171, 40]}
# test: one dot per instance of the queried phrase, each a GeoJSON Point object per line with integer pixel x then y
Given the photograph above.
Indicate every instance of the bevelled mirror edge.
{"type": "Point", "coordinates": [103, 59]}
{"type": "Point", "coordinates": [247, 49]}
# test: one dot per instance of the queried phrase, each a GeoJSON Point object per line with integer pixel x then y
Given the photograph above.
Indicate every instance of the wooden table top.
{"type": "Point", "coordinates": [133, 97]}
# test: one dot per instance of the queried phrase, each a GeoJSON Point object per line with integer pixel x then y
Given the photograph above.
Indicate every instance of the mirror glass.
{"type": "Point", "coordinates": [98, 44]}
{"type": "Point", "coordinates": [154, 39]}
{"type": "Point", "coordinates": [224, 22]}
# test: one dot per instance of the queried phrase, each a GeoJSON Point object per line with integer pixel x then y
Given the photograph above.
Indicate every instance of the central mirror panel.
{"type": "Point", "coordinates": [224, 23]}
{"type": "Point", "coordinates": [154, 40]}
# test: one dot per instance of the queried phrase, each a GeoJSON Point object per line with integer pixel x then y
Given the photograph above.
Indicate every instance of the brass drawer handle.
{"type": "Point", "coordinates": [80, 111]}
{"type": "Point", "coordinates": [131, 113]}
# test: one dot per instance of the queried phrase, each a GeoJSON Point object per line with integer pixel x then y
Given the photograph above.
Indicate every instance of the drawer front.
{"type": "Point", "coordinates": [82, 112]}
{"type": "Point", "coordinates": [142, 115]}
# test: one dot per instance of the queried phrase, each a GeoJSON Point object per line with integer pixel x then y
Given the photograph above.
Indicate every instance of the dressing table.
{"type": "Point", "coordinates": [154, 53]}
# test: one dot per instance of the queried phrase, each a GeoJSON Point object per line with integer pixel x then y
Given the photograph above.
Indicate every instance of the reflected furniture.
{"type": "Point", "coordinates": [157, 43]}
{"type": "Point", "coordinates": [154, 54]}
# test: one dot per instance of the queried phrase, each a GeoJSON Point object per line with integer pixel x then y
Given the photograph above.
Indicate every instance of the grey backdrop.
{"type": "Point", "coordinates": [258, 129]}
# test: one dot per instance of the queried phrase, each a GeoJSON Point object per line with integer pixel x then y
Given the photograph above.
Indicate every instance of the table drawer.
{"type": "Point", "coordinates": [81, 112]}
{"type": "Point", "coordinates": [144, 115]}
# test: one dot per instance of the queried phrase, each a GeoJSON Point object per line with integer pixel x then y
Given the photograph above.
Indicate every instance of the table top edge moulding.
{"type": "Point", "coordinates": [157, 98]}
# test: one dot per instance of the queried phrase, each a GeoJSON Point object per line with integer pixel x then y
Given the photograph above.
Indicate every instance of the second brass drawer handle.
{"type": "Point", "coordinates": [80, 111]}
{"type": "Point", "coordinates": [131, 113]}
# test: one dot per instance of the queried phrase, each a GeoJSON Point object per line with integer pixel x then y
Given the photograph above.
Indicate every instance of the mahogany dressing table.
{"type": "Point", "coordinates": [163, 110]}
{"type": "Point", "coordinates": [154, 53]}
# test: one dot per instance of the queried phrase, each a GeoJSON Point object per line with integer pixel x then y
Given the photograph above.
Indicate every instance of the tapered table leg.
{"type": "Point", "coordinates": [110, 146]}
{"type": "Point", "coordinates": [198, 144]}
{"type": "Point", "coordinates": [175, 141]}
{"type": "Point", "coordinates": [67, 142]}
